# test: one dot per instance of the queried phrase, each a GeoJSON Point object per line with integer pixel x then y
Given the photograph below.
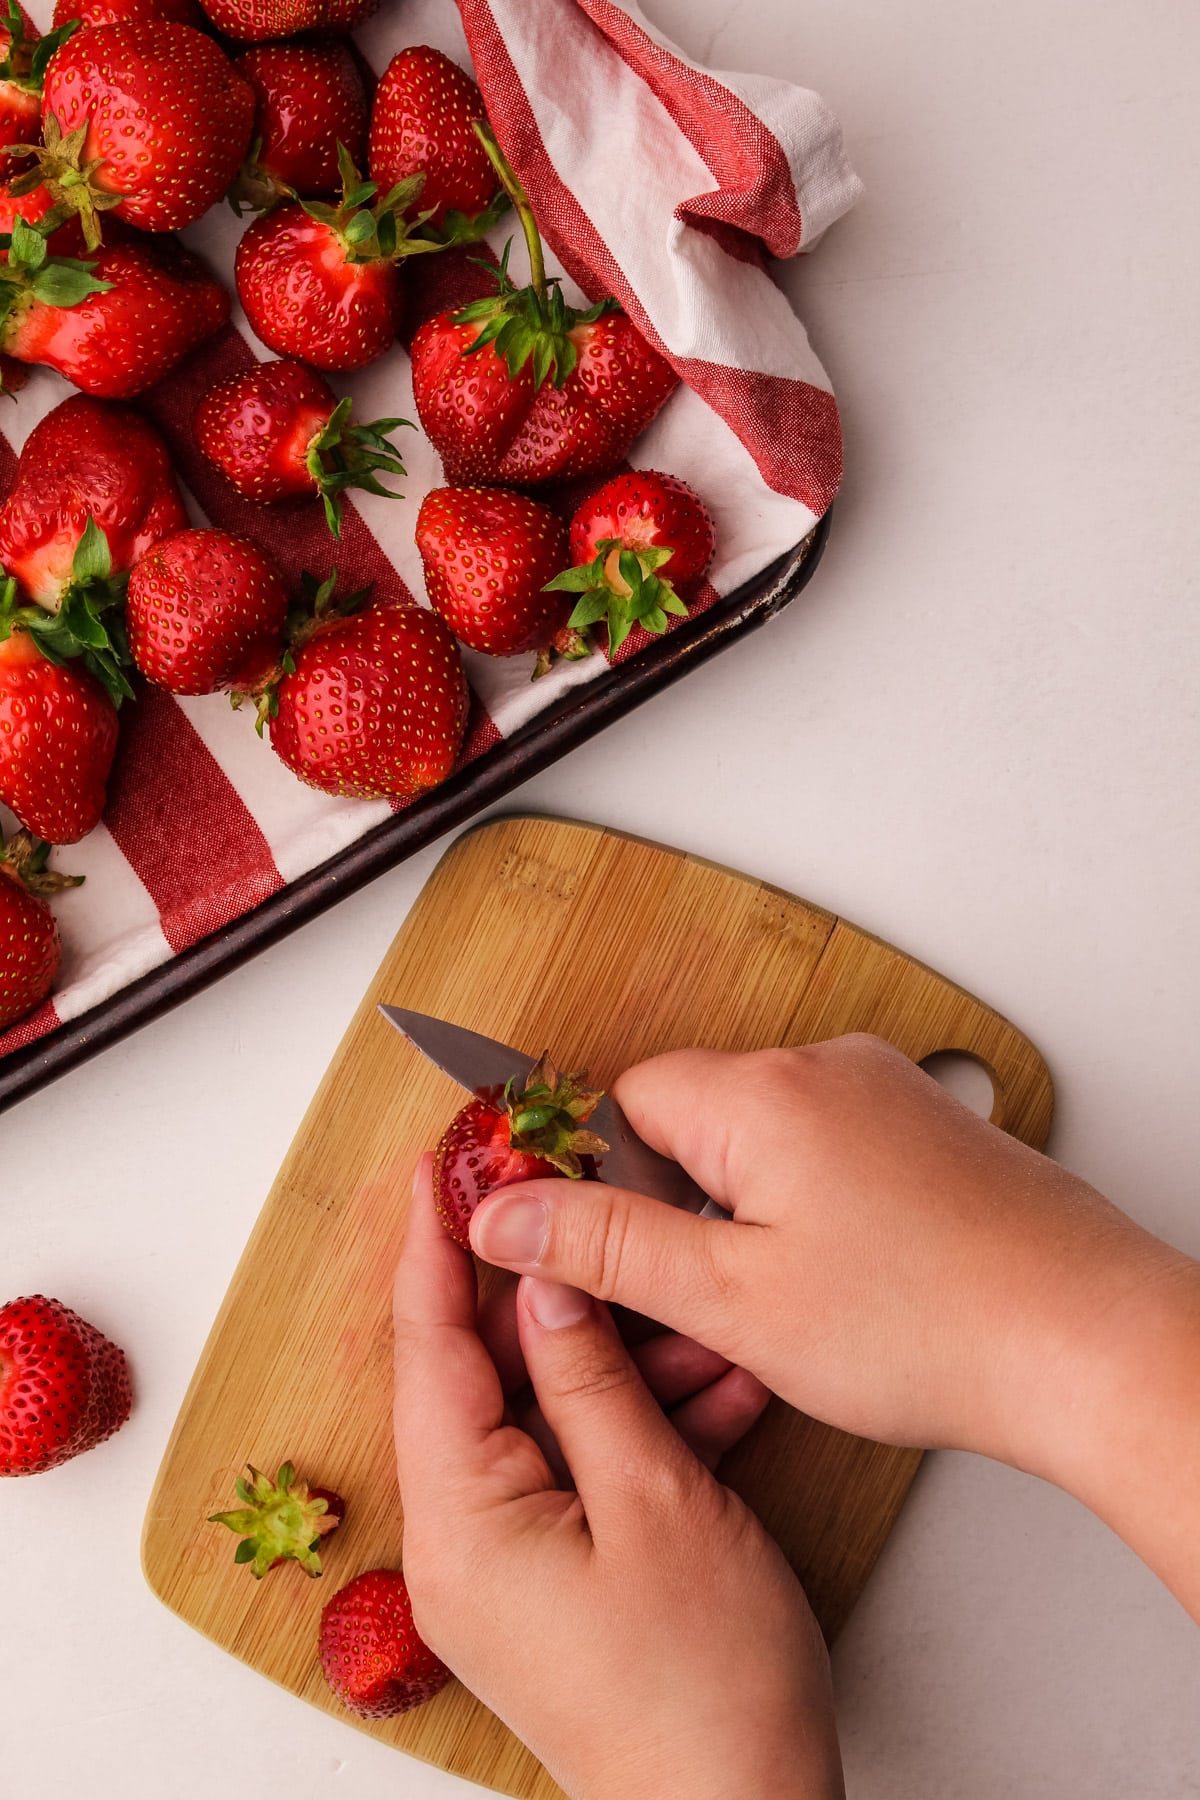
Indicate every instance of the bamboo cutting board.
{"type": "Point", "coordinates": [607, 949]}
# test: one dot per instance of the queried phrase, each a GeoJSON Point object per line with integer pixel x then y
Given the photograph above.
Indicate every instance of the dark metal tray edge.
{"type": "Point", "coordinates": [578, 716]}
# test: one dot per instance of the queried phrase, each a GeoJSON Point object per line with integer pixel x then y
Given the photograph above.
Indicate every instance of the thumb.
{"type": "Point", "coordinates": [613, 1434]}
{"type": "Point", "coordinates": [684, 1271]}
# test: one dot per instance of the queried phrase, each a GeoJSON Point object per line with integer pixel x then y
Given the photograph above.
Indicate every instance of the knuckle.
{"type": "Point", "coordinates": [609, 1231]}
{"type": "Point", "coordinates": [593, 1380]}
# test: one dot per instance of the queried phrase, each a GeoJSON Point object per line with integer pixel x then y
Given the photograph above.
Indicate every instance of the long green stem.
{"type": "Point", "coordinates": [520, 199]}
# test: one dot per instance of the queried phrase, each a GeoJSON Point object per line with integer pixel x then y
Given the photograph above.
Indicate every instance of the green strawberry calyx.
{"type": "Point", "coordinates": [320, 605]}
{"type": "Point", "coordinates": [371, 228]}
{"type": "Point", "coordinates": [529, 324]}
{"type": "Point", "coordinates": [24, 62]}
{"type": "Point", "coordinates": [278, 1521]}
{"type": "Point", "coordinates": [23, 859]}
{"type": "Point", "coordinates": [28, 272]}
{"type": "Point", "coordinates": [547, 1113]}
{"type": "Point", "coordinates": [87, 623]}
{"type": "Point", "coordinates": [622, 587]}
{"type": "Point", "coordinates": [71, 183]}
{"type": "Point", "coordinates": [344, 455]}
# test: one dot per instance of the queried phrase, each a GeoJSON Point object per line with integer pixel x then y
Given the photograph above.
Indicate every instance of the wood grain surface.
{"type": "Point", "coordinates": [515, 935]}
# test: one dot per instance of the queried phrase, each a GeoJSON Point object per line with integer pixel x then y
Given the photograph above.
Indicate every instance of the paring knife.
{"type": "Point", "coordinates": [476, 1062]}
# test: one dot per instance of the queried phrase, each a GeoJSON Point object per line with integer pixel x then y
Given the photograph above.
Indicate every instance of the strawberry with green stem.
{"type": "Point", "coordinates": [531, 1131]}
{"type": "Point", "coordinates": [321, 282]}
{"type": "Point", "coordinates": [22, 70]}
{"type": "Point", "coordinates": [422, 123]}
{"type": "Point", "coordinates": [30, 951]}
{"type": "Point", "coordinates": [641, 546]}
{"type": "Point", "coordinates": [278, 1521]}
{"type": "Point", "coordinates": [277, 433]}
{"type": "Point", "coordinates": [518, 387]}
{"type": "Point", "coordinates": [309, 98]}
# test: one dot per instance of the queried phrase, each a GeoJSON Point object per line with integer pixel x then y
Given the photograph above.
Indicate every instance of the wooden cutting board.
{"type": "Point", "coordinates": [535, 931]}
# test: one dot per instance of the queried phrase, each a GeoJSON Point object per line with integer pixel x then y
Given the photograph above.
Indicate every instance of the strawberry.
{"type": "Point", "coordinates": [370, 1652]}
{"type": "Point", "coordinates": [277, 432]}
{"type": "Point", "coordinates": [281, 1520]}
{"type": "Point", "coordinates": [147, 118]}
{"type": "Point", "coordinates": [253, 21]}
{"type": "Point", "coordinates": [489, 557]}
{"type": "Point", "coordinates": [115, 12]}
{"type": "Point", "coordinates": [422, 124]}
{"type": "Point", "coordinates": [371, 704]}
{"type": "Point", "coordinates": [518, 387]}
{"type": "Point", "coordinates": [64, 1387]}
{"type": "Point", "coordinates": [522, 1133]}
{"type": "Point", "coordinates": [58, 734]}
{"type": "Point", "coordinates": [309, 98]}
{"type": "Point", "coordinates": [621, 538]}
{"type": "Point", "coordinates": [114, 324]}
{"type": "Point", "coordinates": [65, 239]}
{"type": "Point", "coordinates": [205, 611]}
{"type": "Point", "coordinates": [86, 459]}
{"type": "Point", "coordinates": [322, 282]}
{"type": "Point", "coordinates": [23, 62]}
{"type": "Point", "coordinates": [30, 952]}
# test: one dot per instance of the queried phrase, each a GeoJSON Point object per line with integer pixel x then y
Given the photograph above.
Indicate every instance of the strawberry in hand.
{"type": "Point", "coordinates": [277, 433]}
{"type": "Point", "coordinates": [370, 702]}
{"type": "Point", "coordinates": [322, 282]}
{"type": "Point", "coordinates": [113, 324]}
{"type": "Point", "coordinates": [422, 123]}
{"type": "Point", "coordinates": [146, 118]}
{"type": "Point", "coordinates": [641, 547]}
{"type": "Point", "coordinates": [309, 98]}
{"type": "Point", "coordinates": [64, 1386]}
{"type": "Point", "coordinates": [206, 611]}
{"type": "Point", "coordinates": [519, 387]}
{"type": "Point", "coordinates": [30, 952]}
{"type": "Point", "coordinates": [280, 1521]}
{"type": "Point", "coordinates": [489, 557]}
{"type": "Point", "coordinates": [370, 1653]}
{"type": "Point", "coordinates": [528, 1133]}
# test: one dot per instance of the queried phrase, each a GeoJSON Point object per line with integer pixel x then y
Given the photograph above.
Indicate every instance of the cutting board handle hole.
{"type": "Point", "coordinates": [964, 1076]}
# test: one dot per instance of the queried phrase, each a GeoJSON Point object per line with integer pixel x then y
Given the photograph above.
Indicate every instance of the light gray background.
{"type": "Point", "coordinates": [976, 735]}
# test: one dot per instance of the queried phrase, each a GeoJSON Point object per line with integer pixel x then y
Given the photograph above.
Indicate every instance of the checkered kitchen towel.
{"type": "Point", "coordinates": [654, 180]}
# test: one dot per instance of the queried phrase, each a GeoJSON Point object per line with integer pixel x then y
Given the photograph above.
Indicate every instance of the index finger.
{"type": "Point", "coordinates": [448, 1400]}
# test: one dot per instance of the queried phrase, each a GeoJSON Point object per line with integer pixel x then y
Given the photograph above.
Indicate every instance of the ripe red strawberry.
{"type": "Point", "coordinates": [115, 324]}
{"type": "Point", "coordinates": [309, 98]}
{"type": "Point", "coordinates": [205, 611]}
{"type": "Point", "coordinates": [64, 1386]}
{"type": "Point", "coordinates": [86, 459]}
{"type": "Point", "coordinates": [525, 1133]}
{"type": "Point", "coordinates": [58, 735]}
{"type": "Point", "coordinates": [30, 952]}
{"type": "Point", "coordinates": [61, 240]}
{"type": "Point", "coordinates": [322, 282]}
{"type": "Point", "coordinates": [374, 704]}
{"type": "Point", "coordinates": [147, 117]}
{"type": "Point", "coordinates": [280, 1521]}
{"type": "Point", "coordinates": [520, 388]}
{"type": "Point", "coordinates": [621, 538]}
{"type": "Point", "coordinates": [422, 123]}
{"type": "Point", "coordinates": [23, 60]}
{"type": "Point", "coordinates": [252, 21]}
{"type": "Point", "coordinates": [370, 1652]}
{"type": "Point", "coordinates": [277, 432]}
{"type": "Point", "coordinates": [114, 12]}
{"type": "Point", "coordinates": [489, 557]}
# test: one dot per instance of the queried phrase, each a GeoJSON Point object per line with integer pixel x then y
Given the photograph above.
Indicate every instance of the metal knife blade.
{"type": "Point", "coordinates": [475, 1062]}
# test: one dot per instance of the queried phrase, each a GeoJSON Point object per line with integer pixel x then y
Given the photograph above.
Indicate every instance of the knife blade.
{"type": "Point", "coordinates": [476, 1062]}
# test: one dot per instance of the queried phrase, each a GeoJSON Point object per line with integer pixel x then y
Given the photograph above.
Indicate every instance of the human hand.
{"type": "Point", "coordinates": [639, 1631]}
{"type": "Point", "coordinates": [897, 1266]}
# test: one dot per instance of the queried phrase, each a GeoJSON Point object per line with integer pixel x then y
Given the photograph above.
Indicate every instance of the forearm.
{"type": "Point", "coordinates": [1129, 1443]}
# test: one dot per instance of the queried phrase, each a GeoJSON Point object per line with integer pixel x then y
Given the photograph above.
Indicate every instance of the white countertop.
{"type": "Point", "coordinates": [976, 734]}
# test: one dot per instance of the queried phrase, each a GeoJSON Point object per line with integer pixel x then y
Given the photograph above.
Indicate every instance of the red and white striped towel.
{"type": "Point", "coordinates": [654, 180]}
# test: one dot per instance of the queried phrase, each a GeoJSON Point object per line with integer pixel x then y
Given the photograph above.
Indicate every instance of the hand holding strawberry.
{"type": "Point", "coordinates": [370, 1652]}
{"type": "Point", "coordinates": [64, 1387]}
{"type": "Point", "coordinates": [277, 433]}
{"type": "Point", "coordinates": [30, 952]}
{"type": "Point", "coordinates": [641, 546]}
